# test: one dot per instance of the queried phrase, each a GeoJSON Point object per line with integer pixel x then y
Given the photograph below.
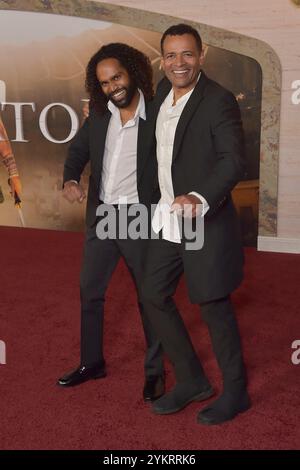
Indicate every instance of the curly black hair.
{"type": "Point", "coordinates": [136, 63]}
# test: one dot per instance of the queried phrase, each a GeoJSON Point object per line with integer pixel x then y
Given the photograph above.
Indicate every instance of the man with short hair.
{"type": "Point", "coordinates": [200, 159]}
{"type": "Point", "coordinates": [117, 141]}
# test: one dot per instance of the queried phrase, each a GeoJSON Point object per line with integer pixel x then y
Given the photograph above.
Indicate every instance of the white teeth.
{"type": "Point", "coordinates": [119, 94]}
{"type": "Point", "coordinates": [180, 71]}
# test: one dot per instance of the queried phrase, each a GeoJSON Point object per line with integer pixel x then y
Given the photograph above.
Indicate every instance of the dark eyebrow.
{"type": "Point", "coordinates": [182, 52]}
{"type": "Point", "coordinates": [111, 78]}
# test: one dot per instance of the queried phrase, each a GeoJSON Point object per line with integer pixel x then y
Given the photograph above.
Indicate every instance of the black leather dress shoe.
{"type": "Point", "coordinates": [82, 374]}
{"type": "Point", "coordinates": [154, 387]}
{"type": "Point", "coordinates": [180, 397]}
{"type": "Point", "coordinates": [223, 409]}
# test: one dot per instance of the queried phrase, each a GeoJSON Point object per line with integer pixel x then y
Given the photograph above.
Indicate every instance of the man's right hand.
{"type": "Point", "coordinates": [73, 192]}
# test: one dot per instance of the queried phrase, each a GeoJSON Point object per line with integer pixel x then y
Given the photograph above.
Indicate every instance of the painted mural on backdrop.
{"type": "Point", "coordinates": [43, 60]}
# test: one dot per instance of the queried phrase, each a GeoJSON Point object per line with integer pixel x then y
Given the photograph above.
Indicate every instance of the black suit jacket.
{"type": "Point", "coordinates": [208, 158]}
{"type": "Point", "coordinates": [88, 145]}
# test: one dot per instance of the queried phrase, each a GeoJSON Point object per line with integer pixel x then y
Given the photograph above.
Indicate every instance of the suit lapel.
{"type": "Point", "coordinates": [162, 92]}
{"type": "Point", "coordinates": [99, 131]}
{"type": "Point", "coordinates": [146, 134]}
{"type": "Point", "coordinates": [188, 112]}
{"type": "Point", "coordinates": [142, 147]}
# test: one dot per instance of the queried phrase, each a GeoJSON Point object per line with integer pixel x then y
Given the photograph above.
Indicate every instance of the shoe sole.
{"type": "Point", "coordinates": [199, 397]}
{"type": "Point", "coordinates": [211, 423]}
{"type": "Point", "coordinates": [152, 399]}
{"type": "Point", "coordinates": [98, 376]}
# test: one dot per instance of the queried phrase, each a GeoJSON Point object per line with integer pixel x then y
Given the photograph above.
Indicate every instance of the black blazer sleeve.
{"type": "Point", "coordinates": [228, 140]}
{"type": "Point", "coordinates": [78, 154]}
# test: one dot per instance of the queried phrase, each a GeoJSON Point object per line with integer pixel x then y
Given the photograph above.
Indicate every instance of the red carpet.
{"type": "Point", "coordinates": [39, 322]}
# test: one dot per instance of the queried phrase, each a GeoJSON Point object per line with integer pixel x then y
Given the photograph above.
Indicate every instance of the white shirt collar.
{"type": "Point", "coordinates": [182, 99]}
{"type": "Point", "coordinates": [139, 112]}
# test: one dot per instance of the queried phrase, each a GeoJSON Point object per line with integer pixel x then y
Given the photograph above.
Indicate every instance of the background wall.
{"type": "Point", "coordinates": [43, 60]}
{"type": "Point", "coordinates": [277, 22]}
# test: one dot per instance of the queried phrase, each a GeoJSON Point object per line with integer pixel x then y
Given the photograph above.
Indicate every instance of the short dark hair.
{"type": "Point", "coordinates": [136, 63]}
{"type": "Point", "coordinates": [179, 30]}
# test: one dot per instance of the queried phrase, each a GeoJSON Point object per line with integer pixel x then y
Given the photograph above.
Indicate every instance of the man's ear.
{"type": "Point", "coordinates": [161, 65]}
{"type": "Point", "coordinates": [201, 58]}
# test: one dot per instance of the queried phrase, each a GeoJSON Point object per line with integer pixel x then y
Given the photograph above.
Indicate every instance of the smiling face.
{"type": "Point", "coordinates": [115, 82]}
{"type": "Point", "coordinates": [181, 62]}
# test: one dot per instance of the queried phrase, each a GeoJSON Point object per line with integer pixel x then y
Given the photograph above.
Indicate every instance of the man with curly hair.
{"type": "Point", "coordinates": [117, 142]}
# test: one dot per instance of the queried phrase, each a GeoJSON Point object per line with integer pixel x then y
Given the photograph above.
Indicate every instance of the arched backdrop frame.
{"type": "Point", "coordinates": [212, 36]}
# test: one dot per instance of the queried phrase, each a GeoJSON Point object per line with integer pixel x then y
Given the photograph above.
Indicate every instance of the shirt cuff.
{"type": "Point", "coordinates": [205, 206]}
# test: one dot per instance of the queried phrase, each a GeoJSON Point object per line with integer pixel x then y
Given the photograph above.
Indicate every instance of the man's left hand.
{"type": "Point", "coordinates": [187, 205]}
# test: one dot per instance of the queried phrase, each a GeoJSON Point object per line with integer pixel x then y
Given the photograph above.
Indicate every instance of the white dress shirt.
{"type": "Point", "coordinates": [118, 177]}
{"type": "Point", "coordinates": [166, 124]}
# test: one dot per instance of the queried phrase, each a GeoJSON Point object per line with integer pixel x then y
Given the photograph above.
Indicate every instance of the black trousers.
{"type": "Point", "coordinates": [100, 259]}
{"type": "Point", "coordinates": [163, 270]}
